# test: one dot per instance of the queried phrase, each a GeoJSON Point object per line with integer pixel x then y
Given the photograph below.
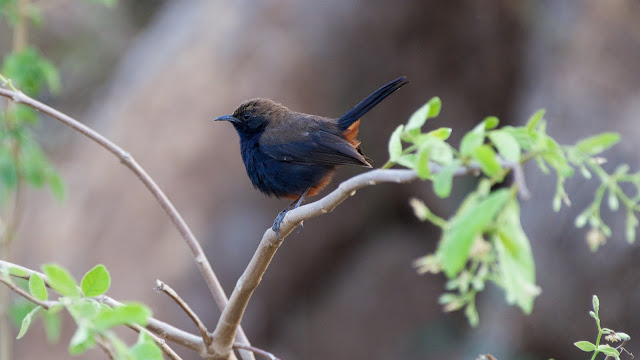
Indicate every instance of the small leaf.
{"type": "Point", "coordinates": [441, 133]}
{"type": "Point", "coordinates": [535, 119]}
{"type": "Point", "coordinates": [27, 321]}
{"type": "Point", "coordinates": [422, 168]}
{"type": "Point", "coordinates": [596, 303]}
{"type": "Point", "coordinates": [131, 313]}
{"type": "Point", "coordinates": [457, 240]}
{"type": "Point", "coordinates": [82, 340]}
{"type": "Point", "coordinates": [585, 346]}
{"type": "Point", "coordinates": [470, 142]}
{"type": "Point", "coordinates": [146, 349]}
{"type": "Point", "coordinates": [632, 223]}
{"type": "Point", "coordinates": [472, 314]}
{"type": "Point", "coordinates": [515, 259]}
{"type": "Point", "coordinates": [443, 181]}
{"type": "Point", "coordinates": [506, 144]}
{"type": "Point", "coordinates": [487, 158]}
{"type": "Point", "coordinates": [52, 326]}
{"type": "Point", "coordinates": [96, 281]}
{"type": "Point", "coordinates": [418, 118]}
{"type": "Point", "coordinates": [490, 122]}
{"type": "Point", "coordinates": [612, 201]}
{"type": "Point", "coordinates": [37, 288]}
{"type": "Point", "coordinates": [395, 144]}
{"type": "Point", "coordinates": [61, 281]}
{"type": "Point", "coordinates": [609, 351]}
{"type": "Point", "coordinates": [597, 144]}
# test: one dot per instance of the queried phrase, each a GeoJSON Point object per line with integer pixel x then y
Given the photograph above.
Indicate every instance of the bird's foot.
{"type": "Point", "coordinates": [277, 222]}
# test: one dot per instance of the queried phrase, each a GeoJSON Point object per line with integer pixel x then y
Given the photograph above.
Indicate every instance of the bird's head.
{"type": "Point", "coordinates": [252, 116]}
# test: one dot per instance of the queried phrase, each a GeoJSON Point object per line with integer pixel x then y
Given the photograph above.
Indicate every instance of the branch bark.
{"type": "Point", "coordinates": [202, 262]}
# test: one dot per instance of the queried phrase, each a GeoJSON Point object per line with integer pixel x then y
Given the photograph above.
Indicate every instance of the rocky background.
{"type": "Point", "coordinates": [151, 75]}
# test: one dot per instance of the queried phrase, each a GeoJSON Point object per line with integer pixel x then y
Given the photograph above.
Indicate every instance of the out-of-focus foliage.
{"type": "Point", "coordinates": [484, 240]}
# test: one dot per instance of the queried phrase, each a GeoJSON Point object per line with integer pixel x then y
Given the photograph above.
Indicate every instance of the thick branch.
{"type": "Point", "coordinates": [232, 315]}
{"type": "Point", "coordinates": [201, 260]}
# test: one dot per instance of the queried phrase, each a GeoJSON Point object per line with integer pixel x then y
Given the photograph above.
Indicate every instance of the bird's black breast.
{"type": "Point", "coordinates": [279, 177]}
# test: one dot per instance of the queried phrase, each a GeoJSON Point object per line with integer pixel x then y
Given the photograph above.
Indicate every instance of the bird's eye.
{"type": "Point", "coordinates": [246, 116]}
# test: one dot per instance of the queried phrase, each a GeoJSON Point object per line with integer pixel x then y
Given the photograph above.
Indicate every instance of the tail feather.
{"type": "Point", "coordinates": [369, 102]}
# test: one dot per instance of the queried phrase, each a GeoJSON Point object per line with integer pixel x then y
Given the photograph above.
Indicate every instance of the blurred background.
{"type": "Point", "coordinates": [151, 75]}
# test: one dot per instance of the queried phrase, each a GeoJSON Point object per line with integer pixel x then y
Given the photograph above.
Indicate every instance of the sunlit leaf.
{"type": "Point", "coordinates": [61, 281]}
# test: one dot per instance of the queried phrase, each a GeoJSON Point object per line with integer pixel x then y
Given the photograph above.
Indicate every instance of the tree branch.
{"type": "Point", "coordinates": [196, 250]}
{"type": "Point", "coordinates": [232, 315]}
{"type": "Point", "coordinates": [161, 286]}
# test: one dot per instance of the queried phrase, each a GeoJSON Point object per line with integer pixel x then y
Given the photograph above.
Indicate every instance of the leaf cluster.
{"type": "Point", "coordinates": [93, 318]}
{"type": "Point", "coordinates": [483, 241]}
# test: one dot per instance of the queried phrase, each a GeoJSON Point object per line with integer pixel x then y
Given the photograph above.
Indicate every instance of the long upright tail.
{"type": "Point", "coordinates": [369, 102]}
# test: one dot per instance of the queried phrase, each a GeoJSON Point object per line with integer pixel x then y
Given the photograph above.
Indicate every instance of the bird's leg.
{"type": "Point", "coordinates": [278, 221]}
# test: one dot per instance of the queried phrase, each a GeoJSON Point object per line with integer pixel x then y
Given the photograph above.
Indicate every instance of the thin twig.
{"type": "Point", "coordinates": [161, 286]}
{"type": "Point", "coordinates": [196, 250]}
{"type": "Point", "coordinates": [106, 347]}
{"type": "Point", "coordinates": [18, 290]}
{"type": "Point", "coordinates": [255, 350]}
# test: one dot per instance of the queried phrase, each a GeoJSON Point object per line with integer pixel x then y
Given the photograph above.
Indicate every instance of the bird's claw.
{"type": "Point", "coordinates": [277, 222]}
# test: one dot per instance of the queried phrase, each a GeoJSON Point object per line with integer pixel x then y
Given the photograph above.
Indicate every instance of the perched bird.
{"type": "Point", "coordinates": [293, 155]}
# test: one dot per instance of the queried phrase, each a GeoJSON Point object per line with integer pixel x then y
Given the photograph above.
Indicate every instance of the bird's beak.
{"type": "Point", "coordinates": [226, 118]}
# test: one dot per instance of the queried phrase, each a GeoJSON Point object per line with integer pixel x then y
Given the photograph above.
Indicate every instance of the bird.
{"type": "Point", "coordinates": [289, 154]}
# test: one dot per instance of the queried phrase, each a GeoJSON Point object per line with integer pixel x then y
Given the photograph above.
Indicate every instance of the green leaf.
{"type": "Point", "coordinates": [441, 152]}
{"type": "Point", "coordinates": [632, 223]}
{"type": "Point", "coordinates": [506, 144]}
{"type": "Point", "coordinates": [490, 122]}
{"type": "Point", "coordinates": [56, 185]}
{"type": "Point", "coordinates": [146, 349]}
{"type": "Point", "coordinates": [422, 168]}
{"type": "Point", "coordinates": [15, 271]}
{"type": "Point", "coordinates": [597, 144]}
{"type": "Point", "coordinates": [96, 281]}
{"type": "Point", "coordinates": [426, 111]}
{"type": "Point", "coordinates": [596, 303]}
{"type": "Point", "coordinates": [441, 133]}
{"type": "Point", "coordinates": [30, 71]}
{"type": "Point", "coordinates": [52, 326]}
{"type": "Point", "coordinates": [535, 119]}
{"type": "Point", "coordinates": [61, 281]}
{"type": "Point", "coordinates": [130, 313]}
{"type": "Point", "coordinates": [19, 309]}
{"type": "Point", "coordinates": [443, 181]}
{"type": "Point", "coordinates": [517, 267]}
{"type": "Point", "coordinates": [585, 346]}
{"type": "Point", "coordinates": [609, 351]}
{"type": "Point", "coordinates": [82, 340]}
{"type": "Point", "coordinates": [37, 287]}
{"type": "Point", "coordinates": [488, 160]}
{"type": "Point", "coordinates": [83, 311]}
{"type": "Point", "coordinates": [395, 144]}
{"type": "Point", "coordinates": [472, 314]}
{"type": "Point", "coordinates": [26, 321]}
{"type": "Point", "coordinates": [470, 222]}
{"type": "Point", "coordinates": [470, 142]}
